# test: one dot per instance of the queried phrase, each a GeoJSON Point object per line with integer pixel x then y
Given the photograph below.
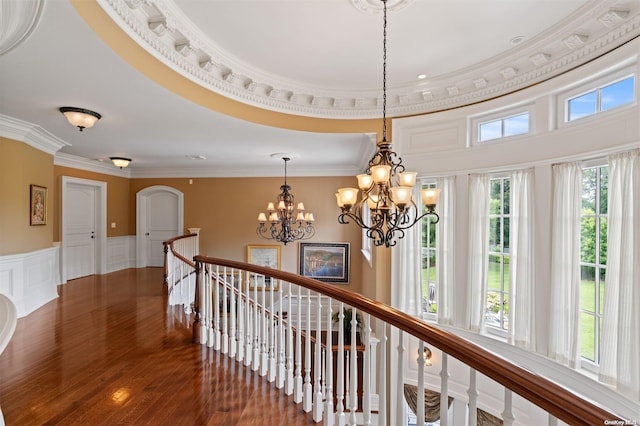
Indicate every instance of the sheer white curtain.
{"type": "Point", "coordinates": [444, 249]}
{"type": "Point", "coordinates": [406, 269]}
{"type": "Point", "coordinates": [478, 262]}
{"type": "Point", "coordinates": [521, 258]}
{"type": "Point", "coordinates": [620, 350]}
{"type": "Point", "coordinates": [564, 334]}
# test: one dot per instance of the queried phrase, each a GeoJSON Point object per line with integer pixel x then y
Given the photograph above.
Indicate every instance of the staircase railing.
{"type": "Point", "coordinates": [292, 329]}
{"type": "Point", "coordinates": [179, 270]}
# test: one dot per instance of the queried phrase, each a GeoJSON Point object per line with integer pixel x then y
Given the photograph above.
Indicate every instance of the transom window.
{"type": "Point", "coordinates": [503, 127]}
{"type": "Point", "coordinates": [593, 258]}
{"type": "Point", "coordinates": [497, 307]}
{"type": "Point", "coordinates": [602, 98]}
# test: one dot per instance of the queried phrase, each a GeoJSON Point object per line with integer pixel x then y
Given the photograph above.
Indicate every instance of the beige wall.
{"type": "Point", "coordinates": [226, 210]}
{"type": "Point", "coordinates": [22, 166]}
{"type": "Point", "coordinates": [118, 204]}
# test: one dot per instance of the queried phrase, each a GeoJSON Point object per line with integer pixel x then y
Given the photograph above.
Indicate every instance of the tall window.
{"type": "Point", "coordinates": [429, 287]}
{"type": "Point", "coordinates": [497, 308]}
{"type": "Point", "coordinates": [601, 99]}
{"type": "Point", "coordinates": [593, 257]}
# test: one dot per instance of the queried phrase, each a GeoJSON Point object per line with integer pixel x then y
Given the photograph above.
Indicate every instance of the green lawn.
{"type": "Point", "coordinates": [587, 302]}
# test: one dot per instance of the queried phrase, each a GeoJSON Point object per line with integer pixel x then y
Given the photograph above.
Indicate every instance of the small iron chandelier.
{"type": "Point", "coordinates": [386, 186]}
{"type": "Point", "coordinates": [282, 225]}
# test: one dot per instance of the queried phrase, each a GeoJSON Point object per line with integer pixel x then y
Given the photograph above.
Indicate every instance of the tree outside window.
{"type": "Point", "coordinates": [593, 257]}
{"type": "Point", "coordinates": [497, 308]}
{"type": "Point", "coordinates": [429, 286]}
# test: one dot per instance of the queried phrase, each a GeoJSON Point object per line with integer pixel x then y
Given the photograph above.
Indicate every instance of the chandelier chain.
{"type": "Point", "coordinates": [384, 74]}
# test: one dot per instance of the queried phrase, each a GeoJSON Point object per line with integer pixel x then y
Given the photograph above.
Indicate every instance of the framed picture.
{"type": "Point", "coordinates": [38, 205]}
{"type": "Point", "coordinates": [328, 262]}
{"type": "Point", "coordinates": [263, 255]}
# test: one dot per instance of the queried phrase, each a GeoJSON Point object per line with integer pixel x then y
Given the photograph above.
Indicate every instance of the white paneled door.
{"type": "Point", "coordinates": [80, 230]}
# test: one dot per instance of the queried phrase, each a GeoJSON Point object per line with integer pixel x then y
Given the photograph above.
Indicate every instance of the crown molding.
{"type": "Point", "coordinates": [31, 134]}
{"type": "Point", "coordinates": [162, 29]}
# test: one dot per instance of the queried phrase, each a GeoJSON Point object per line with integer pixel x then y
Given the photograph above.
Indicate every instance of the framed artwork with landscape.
{"type": "Point", "coordinates": [38, 205]}
{"type": "Point", "coordinates": [328, 262]}
{"type": "Point", "coordinates": [263, 255]}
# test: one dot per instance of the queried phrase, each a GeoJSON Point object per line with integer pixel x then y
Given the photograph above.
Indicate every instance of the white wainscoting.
{"type": "Point", "coordinates": [121, 253]}
{"type": "Point", "coordinates": [30, 279]}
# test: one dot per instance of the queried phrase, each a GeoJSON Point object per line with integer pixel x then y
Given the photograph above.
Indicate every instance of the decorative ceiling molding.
{"type": "Point", "coordinates": [32, 135]}
{"type": "Point", "coordinates": [18, 19]}
{"type": "Point", "coordinates": [161, 28]}
{"type": "Point", "coordinates": [375, 6]}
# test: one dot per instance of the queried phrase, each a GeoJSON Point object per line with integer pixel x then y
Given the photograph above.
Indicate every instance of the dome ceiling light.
{"type": "Point", "coordinates": [80, 117]}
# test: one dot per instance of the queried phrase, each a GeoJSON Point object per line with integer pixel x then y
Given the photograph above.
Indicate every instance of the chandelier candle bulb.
{"type": "Point", "coordinates": [380, 174]}
{"type": "Point", "coordinates": [407, 179]}
{"type": "Point", "coordinates": [430, 197]}
{"type": "Point", "coordinates": [347, 197]}
{"type": "Point", "coordinates": [262, 217]}
{"type": "Point", "coordinates": [364, 181]}
{"type": "Point", "coordinates": [270, 207]}
{"type": "Point", "coordinates": [301, 206]}
{"type": "Point", "coordinates": [401, 195]}
{"type": "Point", "coordinates": [309, 217]}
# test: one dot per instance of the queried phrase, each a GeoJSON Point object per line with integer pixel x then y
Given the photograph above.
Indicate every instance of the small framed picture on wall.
{"type": "Point", "coordinates": [38, 205]}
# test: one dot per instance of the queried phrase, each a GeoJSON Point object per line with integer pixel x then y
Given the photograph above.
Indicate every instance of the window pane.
{"type": "Point", "coordinates": [516, 125]}
{"type": "Point", "coordinates": [494, 273]}
{"type": "Point", "coordinates": [505, 312]}
{"type": "Point", "coordinates": [582, 106]}
{"type": "Point", "coordinates": [617, 94]}
{"type": "Point", "coordinates": [495, 204]}
{"type": "Point", "coordinates": [492, 313]}
{"type": "Point", "coordinates": [495, 235]}
{"type": "Point", "coordinates": [506, 196]}
{"type": "Point", "coordinates": [588, 239]}
{"type": "Point", "coordinates": [587, 336]}
{"type": "Point", "coordinates": [505, 268]}
{"type": "Point", "coordinates": [603, 273]}
{"type": "Point", "coordinates": [505, 235]}
{"type": "Point", "coordinates": [588, 288]}
{"type": "Point", "coordinates": [603, 241]}
{"type": "Point", "coordinates": [604, 189]}
{"type": "Point", "coordinates": [589, 190]}
{"type": "Point", "coordinates": [490, 130]}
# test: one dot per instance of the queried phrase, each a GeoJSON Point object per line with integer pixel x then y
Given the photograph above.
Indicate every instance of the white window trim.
{"type": "Point", "coordinates": [475, 121]}
{"type": "Point", "coordinates": [562, 99]}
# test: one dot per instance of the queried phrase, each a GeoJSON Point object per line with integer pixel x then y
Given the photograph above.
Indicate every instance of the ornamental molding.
{"type": "Point", "coordinates": [161, 28]}
{"type": "Point", "coordinates": [18, 19]}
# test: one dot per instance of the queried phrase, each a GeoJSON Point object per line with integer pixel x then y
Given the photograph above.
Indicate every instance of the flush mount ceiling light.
{"type": "Point", "coordinates": [386, 208]}
{"type": "Point", "coordinates": [121, 162]}
{"type": "Point", "coordinates": [80, 117]}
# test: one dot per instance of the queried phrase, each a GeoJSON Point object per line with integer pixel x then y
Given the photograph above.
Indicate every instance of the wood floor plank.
{"type": "Point", "coordinates": [109, 351]}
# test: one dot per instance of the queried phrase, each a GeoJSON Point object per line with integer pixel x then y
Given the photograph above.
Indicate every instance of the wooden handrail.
{"type": "Point", "coordinates": [169, 244]}
{"type": "Point", "coordinates": [539, 390]}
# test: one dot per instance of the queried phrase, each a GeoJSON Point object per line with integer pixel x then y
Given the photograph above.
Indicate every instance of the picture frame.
{"type": "Point", "coordinates": [37, 205]}
{"type": "Point", "coordinates": [327, 262]}
{"type": "Point", "coordinates": [264, 255]}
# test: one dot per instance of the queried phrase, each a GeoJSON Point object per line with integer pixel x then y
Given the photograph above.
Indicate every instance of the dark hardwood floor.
{"type": "Point", "coordinates": [109, 351]}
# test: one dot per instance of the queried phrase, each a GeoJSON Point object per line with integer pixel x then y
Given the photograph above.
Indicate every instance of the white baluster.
{"type": "Point", "coordinates": [317, 363]}
{"type": "Point", "coordinates": [307, 392]}
{"type": "Point", "coordinates": [420, 397]}
{"type": "Point", "coordinates": [444, 391]}
{"type": "Point", "coordinates": [264, 330]}
{"type": "Point", "coordinates": [329, 414]}
{"type": "Point", "coordinates": [248, 321]}
{"type": "Point", "coordinates": [507, 414]}
{"type": "Point", "coordinates": [256, 325]}
{"type": "Point", "coordinates": [223, 311]}
{"type": "Point", "coordinates": [203, 304]}
{"type": "Point", "coordinates": [280, 342]}
{"type": "Point", "coordinates": [552, 420]}
{"type": "Point", "coordinates": [271, 329]}
{"type": "Point", "coordinates": [400, 380]}
{"type": "Point", "coordinates": [232, 315]}
{"type": "Point", "coordinates": [297, 383]}
{"type": "Point", "coordinates": [473, 398]}
{"type": "Point", "coordinates": [340, 376]}
{"type": "Point", "coordinates": [289, 382]}
{"type": "Point", "coordinates": [382, 374]}
{"type": "Point", "coordinates": [240, 314]}
{"type": "Point", "coordinates": [353, 368]}
{"type": "Point", "coordinates": [366, 371]}
{"type": "Point", "coordinates": [209, 298]}
{"type": "Point", "coordinates": [216, 308]}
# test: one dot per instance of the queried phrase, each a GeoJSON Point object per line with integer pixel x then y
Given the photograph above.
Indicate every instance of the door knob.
{"type": "Point", "coordinates": [147, 234]}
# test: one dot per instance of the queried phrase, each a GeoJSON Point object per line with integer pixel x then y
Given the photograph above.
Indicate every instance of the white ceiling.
{"type": "Point", "coordinates": [319, 58]}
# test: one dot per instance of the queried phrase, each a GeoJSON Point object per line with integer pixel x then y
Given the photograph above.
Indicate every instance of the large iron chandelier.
{"type": "Point", "coordinates": [386, 208]}
{"type": "Point", "coordinates": [286, 222]}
